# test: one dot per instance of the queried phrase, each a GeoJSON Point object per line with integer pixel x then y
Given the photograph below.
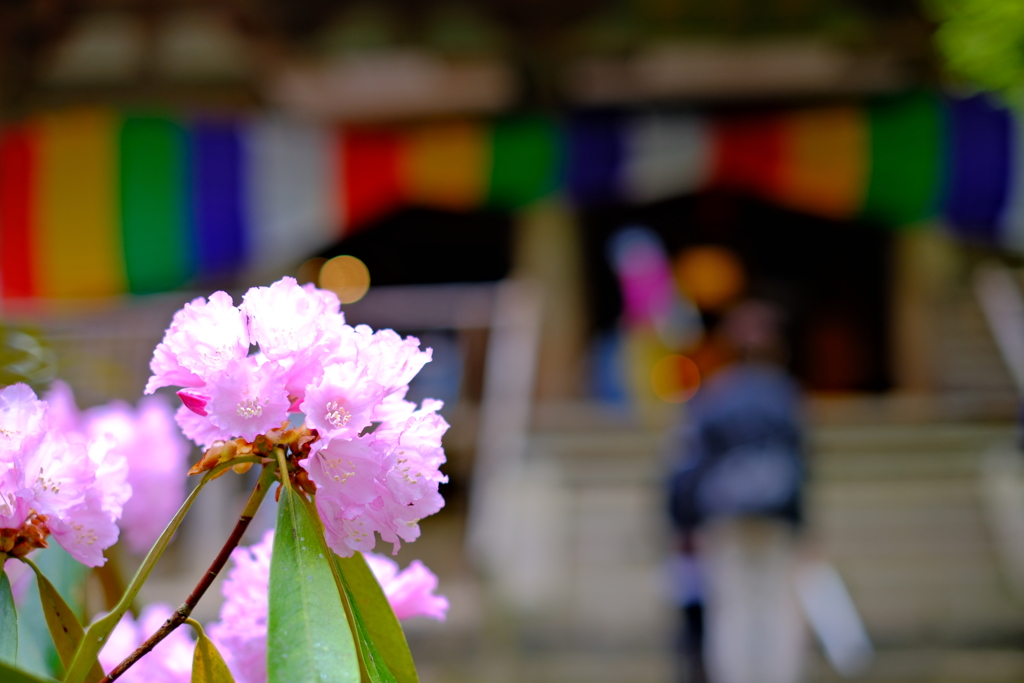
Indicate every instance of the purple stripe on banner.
{"type": "Point", "coordinates": [979, 167]}
{"type": "Point", "coordinates": [217, 198]}
{"type": "Point", "coordinates": [594, 156]}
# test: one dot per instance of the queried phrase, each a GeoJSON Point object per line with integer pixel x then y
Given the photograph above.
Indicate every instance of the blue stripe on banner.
{"type": "Point", "coordinates": [595, 152]}
{"type": "Point", "coordinates": [218, 204]}
{"type": "Point", "coordinates": [979, 167]}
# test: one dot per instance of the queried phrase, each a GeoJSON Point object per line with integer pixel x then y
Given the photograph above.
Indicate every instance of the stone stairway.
{"type": "Point", "coordinates": [900, 510]}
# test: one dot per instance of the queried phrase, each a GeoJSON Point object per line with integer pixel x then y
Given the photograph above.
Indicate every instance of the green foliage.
{"type": "Point", "coordinates": [983, 41]}
{"type": "Point", "coordinates": [65, 629]}
{"type": "Point", "coordinates": [381, 638]}
{"type": "Point", "coordinates": [308, 636]}
{"type": "Point", "coordinates": [8, 621]}
{"type": "Point", "coordinates": [36, 651]}
{"type": "Point", "coordinates": [12, 674]}
{"type": "Point", "coordinates": [25, 357]}
{"type": "Point", "coordinates": [372, 664]}
{"type": "Point", "coordinates": [207, 664]}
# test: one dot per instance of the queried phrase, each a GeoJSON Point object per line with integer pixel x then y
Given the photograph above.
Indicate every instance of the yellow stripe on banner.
{"type": "Point", "coordinates": [79, 250]}
{"type": "Point", "coordinates": [446, 165]}
{"type": "Point", "coordinates": [824, 164]}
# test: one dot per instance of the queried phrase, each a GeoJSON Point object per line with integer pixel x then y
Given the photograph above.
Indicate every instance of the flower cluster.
{"type": "Point", "coordinates": [241, 632]}
{"type": "Point", "coordinates": [151, 444]}
{"type": "Point", "coordinates": [375, 456]}
{"type": "Point", "coordinates": [49, 484]}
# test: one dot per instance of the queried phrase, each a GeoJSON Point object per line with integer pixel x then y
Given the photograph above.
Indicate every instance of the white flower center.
{"type": "Point", "coordinates": [337, 415]}
{"type": "Point", "coordinates": [250, 408]}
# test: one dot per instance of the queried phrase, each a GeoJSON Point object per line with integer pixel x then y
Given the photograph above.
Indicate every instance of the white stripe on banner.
{"type": "Point", "coordinates": [665, 156]}
{"type": "Point", "coordinates": [291, 188]}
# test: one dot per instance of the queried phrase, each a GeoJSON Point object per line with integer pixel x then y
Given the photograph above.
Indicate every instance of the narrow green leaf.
{"type": "Point", "coordinates": [64, 627]}
{"type": "Point", "coordinates": [373, 661]}
{"type": "Point", "coordinates": [36, 651]}
{"type": "Point", "coordinates": [96, 635]}
{"type": "Point", "coordinates": [12, 674]}
{"type": "Point", "coordinates": [207, 664]}
{"type": "Point", "coordinates": [382, 627]}
{"type": "Point", "coordinates": [8, 621]}
{"type": "Point", "coordinates": [308, 637]}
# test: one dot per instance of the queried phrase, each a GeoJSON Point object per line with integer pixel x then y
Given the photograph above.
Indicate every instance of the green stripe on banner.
{"type": "Point", "coordinates": [907, 159]}
{"type": "Point", "coordinates": [526, 162]}
{"type": "Point", "coordinates": [154, 204]}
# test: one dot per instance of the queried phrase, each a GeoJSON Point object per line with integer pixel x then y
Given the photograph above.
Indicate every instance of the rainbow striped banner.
{"type": "Point", "coordinates": [96, 203]}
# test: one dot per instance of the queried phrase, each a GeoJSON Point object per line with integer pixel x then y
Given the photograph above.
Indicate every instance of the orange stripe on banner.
{"type": "Point", "coordinates": [79, 248]}
{"type": "Point", "coordinates": [824, 167]}
{"type": "Point", "coordinates": [447, 165]}
{"type": "Point", "coordinates": [748, 154]}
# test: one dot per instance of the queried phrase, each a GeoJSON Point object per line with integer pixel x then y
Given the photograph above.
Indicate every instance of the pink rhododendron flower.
{"type": "Point", "coordinates": [248, 398]}
{"type": "Point", "coordinates": [285, 318]}
{"type": "Point", "coordinates": [23, 420]}
{"type": "Point", "coordinates": [49, 483]}
{"type": "Point", "coordinates": [169, 662]}
{"type": "Point", "coordinates": [241, 632]}
{"type": "Point", "coordinates": [148, 439]}
{"type": "Point", "coordinates": [204, 337]}
{"type": "Point", "coordinates": [410, 592]}
{"type": "Point", "coordinates": [375, 457]}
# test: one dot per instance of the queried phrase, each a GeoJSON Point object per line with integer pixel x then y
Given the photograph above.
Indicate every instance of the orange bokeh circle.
{"type": "Point", "coordinates": [675, 378]}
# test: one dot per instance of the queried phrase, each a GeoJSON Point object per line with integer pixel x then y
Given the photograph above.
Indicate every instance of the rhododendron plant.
{"type": "Point", "coordinates": [342, 379]}
{"type": "Point", "coordinates": [241, 631]}
{"type": "Point", "coordinates": [280, 383]}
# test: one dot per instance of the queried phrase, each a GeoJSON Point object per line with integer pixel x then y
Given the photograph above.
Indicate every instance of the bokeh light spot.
{"type": "Point", "coordinates": [713, 277]}
{"type": "Point", "coordinates": [675, 378]}
{"type": "Point", "coordinates": [346, 276]}
{"type": "Point", "coordinates": [310, 270]}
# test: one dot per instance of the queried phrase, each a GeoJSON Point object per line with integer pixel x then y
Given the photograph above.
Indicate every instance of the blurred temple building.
{"type": "Point", "coordinates": [562, 199]}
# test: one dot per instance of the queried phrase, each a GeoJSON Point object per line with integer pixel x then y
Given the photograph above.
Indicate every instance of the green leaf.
{"type": "Point", "coordinates": [207, 664]}
{"type": "Point", "coordinates": [12, 674]}
{"type": "Point", "coordinates": [308, 636]}
{"type": "Point", "coordinates": [96, 635]}
{"type": "Point", "coordinates": [382, 628]}
{"type": "Point", "coordinates": [64, 626]}
{"type": "Point", "coordinates": [36, 651]}
{"type": "Point", "coordinates": [373, 661]}
{"type": "Point", "coordinates": [8, 621]}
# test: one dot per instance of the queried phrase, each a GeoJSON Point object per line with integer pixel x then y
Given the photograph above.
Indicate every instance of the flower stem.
{"type": "Point", "coordinates": [181, 615]}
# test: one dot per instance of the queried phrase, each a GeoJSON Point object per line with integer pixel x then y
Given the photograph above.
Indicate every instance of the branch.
{"type": "Point", "coordinates": [182, 614]}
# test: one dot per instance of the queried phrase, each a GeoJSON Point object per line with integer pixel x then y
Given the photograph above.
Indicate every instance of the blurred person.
{"type": "Point", "coordinates": [736, 504]}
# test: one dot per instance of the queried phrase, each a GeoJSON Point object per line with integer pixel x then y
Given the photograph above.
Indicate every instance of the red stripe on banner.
{"type": "Point", "coordinates": [749, 154]}
{"type": "Point", "coordinates": [370, 175]}
{"type": "Point", "coordinates": [18, 163]}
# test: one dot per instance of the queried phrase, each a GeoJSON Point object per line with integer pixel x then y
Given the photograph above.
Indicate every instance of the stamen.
{"type": "Point", "coordinates": [250, 408]}
{"type": "Point", "coordinates": [337, 415]}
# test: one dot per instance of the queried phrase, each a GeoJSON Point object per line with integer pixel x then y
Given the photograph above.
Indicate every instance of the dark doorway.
{"type": "Point", "coordinates": [831, 277]}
